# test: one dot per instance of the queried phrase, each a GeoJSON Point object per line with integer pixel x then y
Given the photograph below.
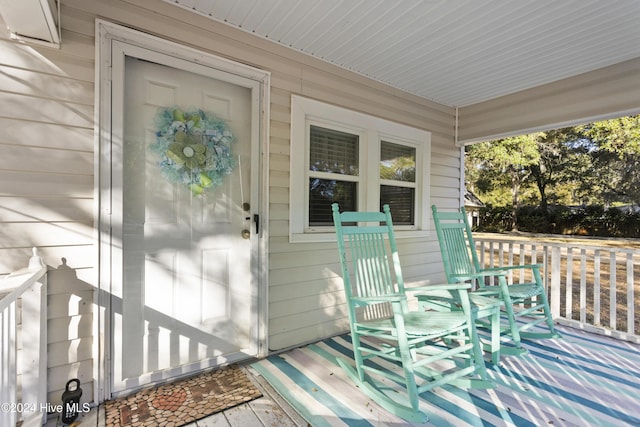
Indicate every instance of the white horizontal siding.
{"type": "Point", "coordinates": [46, 190]}
{"type": "Point", "coordinates": [47, 182]}
{"type": "Point", "coordinates": [305, 277]}
{"type": "Point", "coordinates": [311, 267]}
{"type": "Point", "coordinates": [610, 92]}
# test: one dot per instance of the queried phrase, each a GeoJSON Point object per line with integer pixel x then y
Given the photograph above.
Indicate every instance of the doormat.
{"type": "Point", "coordinates": [184, 401]}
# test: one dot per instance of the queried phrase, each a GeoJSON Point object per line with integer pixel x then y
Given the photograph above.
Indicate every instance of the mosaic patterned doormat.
{"type": "Point", "coordinates": [184, 401]}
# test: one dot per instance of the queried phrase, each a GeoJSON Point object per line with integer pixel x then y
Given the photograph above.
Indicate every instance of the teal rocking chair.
{"type": "Point", "coordinates": [412, 349]}
{"type": "Point", "coordinates": [461, 264]}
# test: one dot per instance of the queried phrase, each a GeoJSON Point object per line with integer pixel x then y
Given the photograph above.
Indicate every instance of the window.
{"type": "Point", "coordinates": [333, 173]}
{"type": "Point", "coordinates": [398, 181]}
{"type": "Point", "coordinates": [359, 161]}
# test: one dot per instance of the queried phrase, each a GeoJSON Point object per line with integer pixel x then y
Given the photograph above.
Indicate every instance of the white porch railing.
{"type": "Point", "coordinates": [23, 340]}
{"type": "Point", "coordinates": [590, 287]}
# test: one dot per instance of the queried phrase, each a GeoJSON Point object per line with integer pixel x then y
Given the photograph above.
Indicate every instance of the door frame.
{"type": "Point", "coordinates": [107, 90]}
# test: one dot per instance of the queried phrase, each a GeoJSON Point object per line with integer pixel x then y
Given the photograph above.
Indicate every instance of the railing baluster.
{"type": "Point", "coordinates": [522, 261]}
{"type": "Point", "coordinates": [596, 287]}
{"type": "Point", "coordinates": [630, 297]}
{"type": "Point", "coordinates": [569, 285]}
{"type": "Point", "coordinates": [491, 261]}
{"type": "Point", "coordinates": [583, 285]}
{"type": "Point", "coordinates": [613, 286]}
{"type": "Point", "coordinates": [8, 369]}
{"type": "Point", "coordinates": [554, 292]}
{"type": "Point", "coordinates": [510, 253]}
{"type": "Point", "coordinates": [491, 253]}
{"type": "Point", "coordinates": [545, 266]}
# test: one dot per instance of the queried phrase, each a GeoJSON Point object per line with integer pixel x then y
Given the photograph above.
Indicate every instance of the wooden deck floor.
{"type": "Point", "coordinates": [271, 410]}
{"type": "Point", "coordinates": [580, 380]}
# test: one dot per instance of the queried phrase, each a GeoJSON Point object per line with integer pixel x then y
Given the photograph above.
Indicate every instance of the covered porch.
{"type": "Point", "coordinates": [579, 380]}
{"type": "Point", "coordinates": [582, 379]}
{"type": "Point", "coordinates": [429, 77]}
{"type": "Point", "coordinates": [588, 377]}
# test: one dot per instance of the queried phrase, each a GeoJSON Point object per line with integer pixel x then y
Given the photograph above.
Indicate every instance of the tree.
{"type": "Point", "coordinates": [597, 163]}
{"type": "Point", "coordinates": [563, 158]}
{"type": "Point", "coordinates": [505, 162]}
{"type": "Point", "coordinates": [617, 157]}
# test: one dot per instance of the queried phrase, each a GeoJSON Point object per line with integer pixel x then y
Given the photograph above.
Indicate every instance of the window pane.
{"type": "Point", "coordinates": [397, 162]}
{"type": "Point", "coordinates": [333, 151]}
{"type": "Point", "coordinates": [324, 192]}
{"type": "Point", "coordinates": [401, 202]}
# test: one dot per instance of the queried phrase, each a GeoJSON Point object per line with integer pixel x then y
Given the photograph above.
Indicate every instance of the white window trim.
{"type": "Point", "coordinates": [305, 111]}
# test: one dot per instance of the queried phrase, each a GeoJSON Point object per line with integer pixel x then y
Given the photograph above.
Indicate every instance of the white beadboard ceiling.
{"type": "Point", "coordinates": [455, 52]}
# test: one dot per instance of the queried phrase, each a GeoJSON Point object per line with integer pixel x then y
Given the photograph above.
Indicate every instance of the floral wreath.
{"type": "Point", "coordinates": [194, 148]}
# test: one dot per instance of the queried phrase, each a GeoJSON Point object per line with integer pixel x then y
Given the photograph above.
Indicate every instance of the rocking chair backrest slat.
{"type": "Point", "coordinates": [456, 243]}
{"type": "Point", "coordinates": [371, 266]}
{"type": "Point", "coordinates": [374, 262]}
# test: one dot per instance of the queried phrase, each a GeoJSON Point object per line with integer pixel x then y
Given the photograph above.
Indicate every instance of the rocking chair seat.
{"type": "Point", "coordinates": [519, 291]}
{"type": "Point", "coordinates": [419, 323]}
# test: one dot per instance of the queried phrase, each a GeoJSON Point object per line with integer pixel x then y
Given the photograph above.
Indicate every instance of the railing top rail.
{"type": "Point", "coordinates": [17, 283]}
{"type": "Point", "coordinates": [540, 241]}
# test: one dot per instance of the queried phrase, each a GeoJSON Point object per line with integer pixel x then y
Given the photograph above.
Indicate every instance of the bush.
{"type": "Point", "coordinates": [593, 220]}
{"type": "Point", "coordinates": [532, 219]}
{"type": "Point", "coordinates": [494, 219]}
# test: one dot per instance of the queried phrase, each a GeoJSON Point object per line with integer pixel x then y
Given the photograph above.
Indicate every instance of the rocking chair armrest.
{"type": "Point", "coordinates": [440, 287]}
{"type": "Point", "coordinates": [475, 276]}
{"type": "Point", "coordinates": [511, 267]}
{"type": "Point", "coordinates": [433, 293]}
{"type": "Point", "coordinates": [380, 299]}
{"type": "Point", "coordinates": [492, 290]}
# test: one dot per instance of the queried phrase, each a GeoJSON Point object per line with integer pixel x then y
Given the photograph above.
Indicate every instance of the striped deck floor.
{"type": "Point", "coordinates": [581, 380]}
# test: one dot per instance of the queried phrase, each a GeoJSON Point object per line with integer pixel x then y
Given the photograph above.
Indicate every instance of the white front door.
{"type": "Point", "coordinates": [185, 175]}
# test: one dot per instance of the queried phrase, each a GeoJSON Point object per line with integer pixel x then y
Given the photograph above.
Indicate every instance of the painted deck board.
{"type": "Point", "coordinates": [582, 379]}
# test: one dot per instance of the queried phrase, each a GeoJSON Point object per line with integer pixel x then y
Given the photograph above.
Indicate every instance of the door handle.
{"type": "Point", "coordinates": [256, 219]}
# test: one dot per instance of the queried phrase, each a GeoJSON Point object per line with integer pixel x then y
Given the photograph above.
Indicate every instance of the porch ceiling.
{"type": "Point", "coordinates": [455, 52]}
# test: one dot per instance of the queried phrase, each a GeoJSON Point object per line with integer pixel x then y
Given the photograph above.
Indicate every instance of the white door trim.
{"type": "Point", "coordinates": [107, 94]}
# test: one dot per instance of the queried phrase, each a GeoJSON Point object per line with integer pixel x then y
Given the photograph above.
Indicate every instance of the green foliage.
{"type": "Point", "coordinates": [590, 220]}
{"type": "Point", "coordinates": [594, 164]}
{"type": "Point", "coordinates": [620, 136]}
{"type": "Point", "coordinates": [532, 219]}
{"type": "Point", "coordinates": [504, 164]}
{"type": "Point", "coordinates": [400, 169]}
{"type": "Point", "coordinates": [495, 219]}
{"type": "Point", "coordinates": [615, 158]}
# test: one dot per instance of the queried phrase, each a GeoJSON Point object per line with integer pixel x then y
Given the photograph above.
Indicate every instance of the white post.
{"type": "Point", "coordinates": [33, 352]}
{"type": "Point", "coordinates": [8, 369]}
{"type": "Point", "coordinates": [34, 346]}
{"type": "Point", "coordinates": [28, 286]}
{"type": "Point", "coordinates": [554, 291]}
